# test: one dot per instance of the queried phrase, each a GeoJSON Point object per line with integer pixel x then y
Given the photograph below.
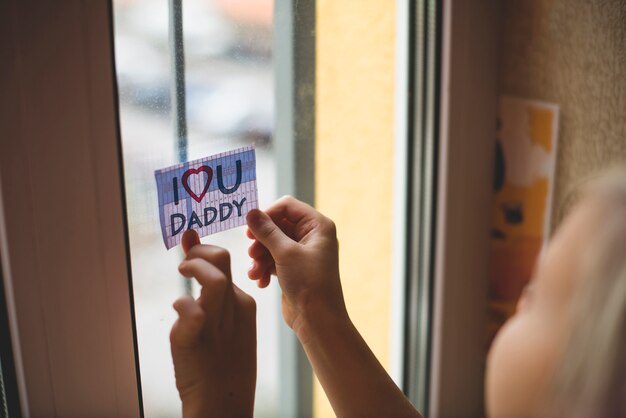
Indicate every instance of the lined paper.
{"type": "Point", "coordinates": [210, 195]}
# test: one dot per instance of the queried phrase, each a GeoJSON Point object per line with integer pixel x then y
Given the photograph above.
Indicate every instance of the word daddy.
{"type": "Point", "coordinates": [209, 195]}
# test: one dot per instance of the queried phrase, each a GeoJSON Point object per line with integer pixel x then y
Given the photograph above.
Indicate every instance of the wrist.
{"type": "Point", "coordinates": [320, 320]}
{"type": "Point", "coordinates": [194, 409]}
{"type": "Point", "coordinates": [215, 405]}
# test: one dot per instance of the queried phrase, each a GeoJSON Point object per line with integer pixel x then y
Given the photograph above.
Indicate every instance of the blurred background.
{"type": "Point", "coordinates": [229, 98]}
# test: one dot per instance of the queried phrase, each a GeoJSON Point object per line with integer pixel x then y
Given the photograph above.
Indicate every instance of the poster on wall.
{"type": "Point", "coordinates": [526, 149]}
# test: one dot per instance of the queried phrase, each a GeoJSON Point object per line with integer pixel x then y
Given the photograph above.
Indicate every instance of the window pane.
{"type": "Point", "coordinates": [229, 89]}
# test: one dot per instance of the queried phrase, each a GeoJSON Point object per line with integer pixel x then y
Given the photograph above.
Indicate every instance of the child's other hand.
{"type": "Point", "coordinates": [299, 245]}
{"type": "Point", "coordinates": [213, 340]}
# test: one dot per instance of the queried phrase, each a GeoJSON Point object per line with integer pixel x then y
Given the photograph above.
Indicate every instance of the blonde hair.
{"type": "Point", "coordinates": [591, 378]}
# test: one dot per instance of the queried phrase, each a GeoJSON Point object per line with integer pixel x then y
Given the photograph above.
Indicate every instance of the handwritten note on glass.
{"type": "Point", "coordinates": [209, 195]}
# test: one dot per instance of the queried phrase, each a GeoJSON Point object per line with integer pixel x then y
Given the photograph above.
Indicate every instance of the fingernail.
{"type": "Point", "coordinates": [254, 217]}
{"type": "Point", "coordinates": [189, 240]}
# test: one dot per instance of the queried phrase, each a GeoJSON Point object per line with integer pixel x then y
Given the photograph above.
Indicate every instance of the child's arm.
{"type": "Point", "coordinates": [299, 245]}
{"type": "Point", "coordinates": [214, 338]}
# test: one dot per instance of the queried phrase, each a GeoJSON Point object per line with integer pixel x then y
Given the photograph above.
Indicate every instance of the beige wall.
{"type": "Point", "coordinates": [572, 53]}
{"type": "Point", "coordinates": [354, 156]}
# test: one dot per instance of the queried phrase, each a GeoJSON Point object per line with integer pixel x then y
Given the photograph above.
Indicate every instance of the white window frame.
{"type": "Point", "coordinates": [453, 137]}
{"type": "Point", "coordinates": [68, 289]}
{"type": "Point", "coordinates": [294, 136]}
{"type": "Point", "coordinates": [467, 128]}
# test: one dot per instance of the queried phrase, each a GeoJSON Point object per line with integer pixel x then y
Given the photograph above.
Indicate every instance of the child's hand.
{"type": "Point", "coordinates": [213, 340]}
{"type": "Point", "coordinates": [299, 245]}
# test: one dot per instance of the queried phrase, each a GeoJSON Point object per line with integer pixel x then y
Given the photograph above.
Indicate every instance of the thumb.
{"type": "Point", "coordinates": [267, 232]}
{"type": "Point", "coordinates": [189, 240]}
{"type": "Point", "coordinates": [187, 328]}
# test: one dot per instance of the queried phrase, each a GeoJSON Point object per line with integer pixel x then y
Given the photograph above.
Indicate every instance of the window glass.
{"type": "Point", "coordinates": [229, 99]}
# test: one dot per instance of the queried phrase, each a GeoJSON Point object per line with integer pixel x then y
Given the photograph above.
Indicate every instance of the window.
{"type": "Point", "coordinates": [63, 249]}
{"type": "Point", "coordinates": [224, 100]}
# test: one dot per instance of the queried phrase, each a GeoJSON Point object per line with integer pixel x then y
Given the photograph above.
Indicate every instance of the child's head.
{"type": "Point", "coordinates": [564, 351]}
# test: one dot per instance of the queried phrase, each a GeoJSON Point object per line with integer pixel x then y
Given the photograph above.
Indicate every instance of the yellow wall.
{"type": "Point", "coordinates": [354, 157]}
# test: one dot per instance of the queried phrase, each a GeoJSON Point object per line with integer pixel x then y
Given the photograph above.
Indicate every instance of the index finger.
{"type": "Point", "coordinates": [292, 209]}
{"type": "Point", "coordinates": [215, 255]}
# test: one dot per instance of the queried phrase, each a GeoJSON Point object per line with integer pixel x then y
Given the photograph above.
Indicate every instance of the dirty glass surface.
{"type": "Point", "coordinates": [229, 103]}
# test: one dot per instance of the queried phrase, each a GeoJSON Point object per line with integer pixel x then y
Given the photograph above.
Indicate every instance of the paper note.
{"type": "Point", "coordinates": [209, 195]}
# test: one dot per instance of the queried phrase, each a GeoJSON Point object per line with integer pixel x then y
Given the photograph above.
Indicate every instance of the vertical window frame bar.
{"type": "Point", "coordinates": [177, 91]}
{"type": "Point", "coordinates": [403, 125]}
{"type": "Point", "coordinates": [83, 126]}
{"type": "Point", "coordinates": [294, 66]}
{"type": "Point", "coordinates": [177, 87]}
{"type": "Point", "coordinates": [467, 130]}
{"type": "Point", "coordinates": [423, 156]}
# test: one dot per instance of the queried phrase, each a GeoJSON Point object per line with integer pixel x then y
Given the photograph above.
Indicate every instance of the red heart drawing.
{"type": "Point", "coordinates": [185, 181]}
